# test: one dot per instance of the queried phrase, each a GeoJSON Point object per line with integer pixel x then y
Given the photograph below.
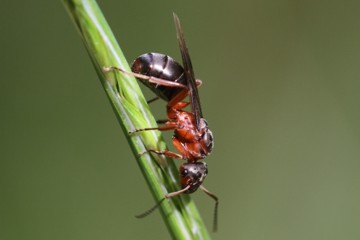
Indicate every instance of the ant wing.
{"type": "Point", "coordinates": [189, 73]}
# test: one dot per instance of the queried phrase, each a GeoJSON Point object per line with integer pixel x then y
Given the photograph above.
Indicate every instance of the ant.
{"type": "Point", "coordinates": [192, 138]}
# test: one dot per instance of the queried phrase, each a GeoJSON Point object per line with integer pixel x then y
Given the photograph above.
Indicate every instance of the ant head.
{"type": "Point", "coordinates": [206, 137]}
{"type": "Point", "coordinates": [192, 175]}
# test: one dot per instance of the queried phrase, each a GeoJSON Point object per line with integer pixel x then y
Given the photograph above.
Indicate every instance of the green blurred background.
{"type": "Point", "coordinates": [281, 94]}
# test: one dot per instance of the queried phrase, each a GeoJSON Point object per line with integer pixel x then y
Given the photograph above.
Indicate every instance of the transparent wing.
{"type": "Point", "coordinates": [189, 73]}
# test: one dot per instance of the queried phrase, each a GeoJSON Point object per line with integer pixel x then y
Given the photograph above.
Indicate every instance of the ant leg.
{"type": "Point", "coordinates": [180, 96]}
{"type": "Point", "coordinates": [162, 121]}
{"type": "Point", "coordinates": [173, 103]}
{"type": "Point", "coordinates": [151, 79]}
{"type": "Point", "coordinates": [165, 153]}
{"type": "Point", "coordinates": [165, 127]}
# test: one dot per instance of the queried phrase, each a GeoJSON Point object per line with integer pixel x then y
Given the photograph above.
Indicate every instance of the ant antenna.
{"type": "Point", "coordinates": [215, 223]}
{"type": "Point", "coordinates": [152, 100]}
{"type": "Point", "coordinates": [173, 194]}
{"type": "Point", "coordinates": [142, 215]}
{"type": "Point", "coordinates": [169, 195]}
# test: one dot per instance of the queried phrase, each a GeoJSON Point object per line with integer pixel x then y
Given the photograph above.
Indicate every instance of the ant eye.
{"type": "Point", "coordinates": [184, 172]}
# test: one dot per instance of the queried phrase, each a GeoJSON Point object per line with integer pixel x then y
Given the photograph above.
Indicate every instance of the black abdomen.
{"type": "Point", "coordinates": [160, 66]}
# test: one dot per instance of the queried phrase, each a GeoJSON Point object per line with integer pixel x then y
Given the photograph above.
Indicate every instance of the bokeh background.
{"type": "Point", "coordinates": [281, 94]}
